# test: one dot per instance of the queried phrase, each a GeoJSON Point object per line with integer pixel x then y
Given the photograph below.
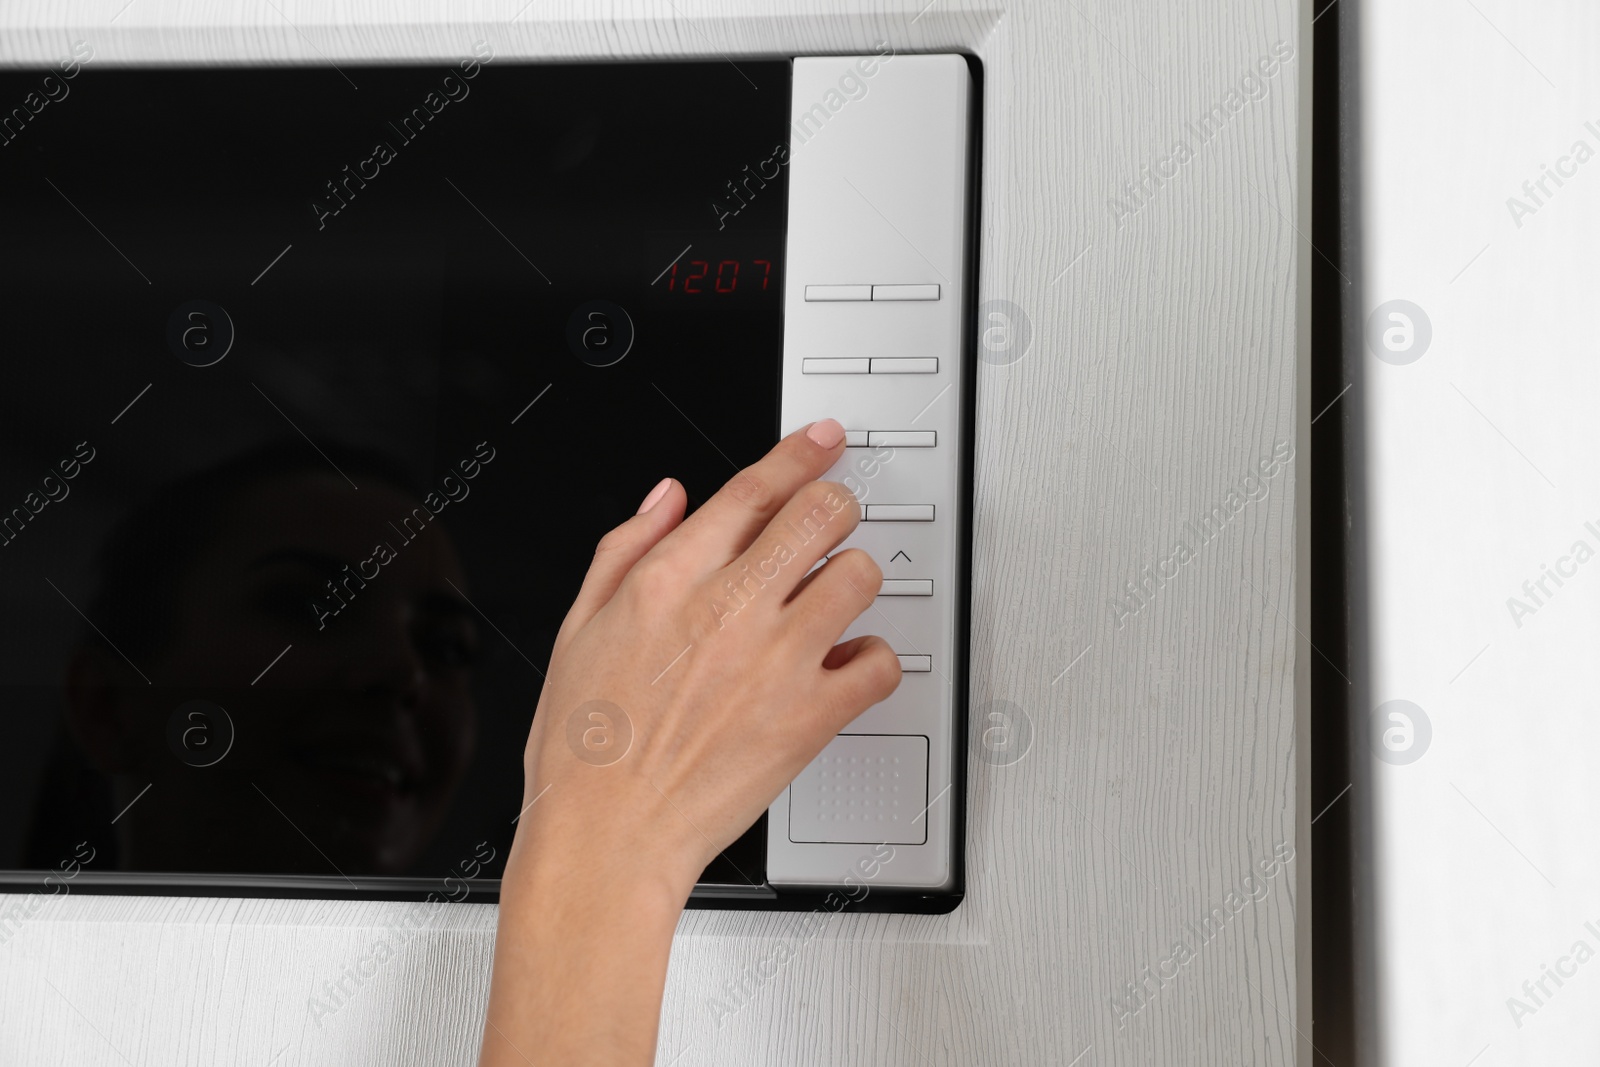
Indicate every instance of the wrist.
{"type": "Point", "coordinates": [627, 841]}
{"type": "Point", "coordinates": [564, 872]}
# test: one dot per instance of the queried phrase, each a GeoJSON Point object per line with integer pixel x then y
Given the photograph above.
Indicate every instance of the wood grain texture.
{"type": "Point", "coordinates": [1164, 364]}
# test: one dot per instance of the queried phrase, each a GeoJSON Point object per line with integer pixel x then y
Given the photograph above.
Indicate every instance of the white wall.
{"type": "Point", "coordinates": [1166, 362]}
{"type": "Point", "coordinates": [1482, 472]}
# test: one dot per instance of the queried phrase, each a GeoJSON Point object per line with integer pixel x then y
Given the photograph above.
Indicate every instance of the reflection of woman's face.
{"type": "Point", "coordinates": [353, 742]}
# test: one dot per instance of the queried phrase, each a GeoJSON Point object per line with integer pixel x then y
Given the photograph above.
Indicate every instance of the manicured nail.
{"type": "Point", "coordinates": [655, 495]}
{"type": "Point", "coordinates": [826, 433]}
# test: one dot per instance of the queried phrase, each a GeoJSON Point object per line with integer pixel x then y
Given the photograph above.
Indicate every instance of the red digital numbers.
{"type": "Point", "coordinates": [725, 280]}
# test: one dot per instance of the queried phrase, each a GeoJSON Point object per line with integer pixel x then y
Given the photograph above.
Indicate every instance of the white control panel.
{"type": "Point", "coordinates": [873, 336]}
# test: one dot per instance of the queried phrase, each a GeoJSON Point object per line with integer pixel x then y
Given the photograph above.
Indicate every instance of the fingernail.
{"type": "Point", "coordinates": [826, 433]}
{"type": "Point", "coordinates": [655, 495]}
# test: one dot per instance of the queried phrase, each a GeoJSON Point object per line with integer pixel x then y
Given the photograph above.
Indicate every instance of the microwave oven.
{"type": "Point", "coordinates": [260, 319]}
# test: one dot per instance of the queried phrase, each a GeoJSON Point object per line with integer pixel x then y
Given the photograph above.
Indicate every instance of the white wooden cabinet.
{"type": "Point", "coordinates": [1143, 180]}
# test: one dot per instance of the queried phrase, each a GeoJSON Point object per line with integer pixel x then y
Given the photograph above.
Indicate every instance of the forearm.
{"type": "Point", "coordinates": [580, 965]}
{"type": "Point", "coordinates": [662, 733]}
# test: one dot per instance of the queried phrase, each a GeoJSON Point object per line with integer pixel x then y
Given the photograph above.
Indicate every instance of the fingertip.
{"type": "Point", "coordinates": [862, 672]}
{"type": "Point", "coordinates": [654, 498]}
{"type": "Point", "coordinates": [841, 654]}
{"type": "Point", "coordinates": [826, 433]}
{"type": "Point", "coordinates": [881, 654]}
{"type": "Point", "coordinates": [858, 652]}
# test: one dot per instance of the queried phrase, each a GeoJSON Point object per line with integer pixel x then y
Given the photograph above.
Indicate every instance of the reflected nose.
{"type": "Point", "coordinates": [382, 659]}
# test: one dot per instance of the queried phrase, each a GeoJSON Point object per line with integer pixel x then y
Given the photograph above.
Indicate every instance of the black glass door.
{"type": "Point", "coordinates": [320, 388]}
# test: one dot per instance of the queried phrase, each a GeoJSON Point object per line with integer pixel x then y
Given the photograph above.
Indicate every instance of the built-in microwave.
{"type": "Point", "coordinates": [319, 372]}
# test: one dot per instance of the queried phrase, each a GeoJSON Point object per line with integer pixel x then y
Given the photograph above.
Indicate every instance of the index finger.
{"type": "Point", "coordinates": [725, 525]}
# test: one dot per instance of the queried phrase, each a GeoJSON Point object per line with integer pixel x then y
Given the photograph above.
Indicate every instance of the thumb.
{"type": "Point", "coordinates": [621, 548]}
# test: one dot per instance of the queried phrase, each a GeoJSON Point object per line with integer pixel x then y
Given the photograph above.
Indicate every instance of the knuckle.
{"type": "Point", "coordinates": [770, 554]}
{"type": "Point", "coordinates": [821, 504]}
{"type": "Point", "coordinates": [857, 577]}
{"type": "Point", "coordinates": [750, 491]}
{"type": "Point", "coordinates": [614, 541]}
{"type": "Point", "coordinates": [843, 590]}
{"type": "Point", "coordinates": [814, 615]}
{"type": "Point", "coordinates": [838, 499]}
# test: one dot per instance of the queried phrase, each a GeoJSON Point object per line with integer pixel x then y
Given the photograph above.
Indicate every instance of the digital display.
{"type": "Point", "coordinates": [721, 276]}
{"type": "Point", "coordinates": [317, 403]}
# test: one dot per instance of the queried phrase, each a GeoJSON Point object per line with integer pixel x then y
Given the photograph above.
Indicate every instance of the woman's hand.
{"type": "Point", "coordinates": [696, 674]}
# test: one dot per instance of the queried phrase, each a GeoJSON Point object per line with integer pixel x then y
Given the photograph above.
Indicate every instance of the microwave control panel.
{"type": "Point", "coordinates": [875, 335]}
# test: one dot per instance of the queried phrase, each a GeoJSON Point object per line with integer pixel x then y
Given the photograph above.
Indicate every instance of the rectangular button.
{"type": "Point", "coordinates": [901, 438]}
{"type": "Point", "coordinates": [916, 664]}
{"type": "Point", "coordinates": [863, 789]}
{"type": "Point", "coordinates": [838, 292]}
{"type": "Point", "coordinates": [899, 513]}
{"type": "Point", "coordinates": [834, 366]}
{"type": "Point", "coordinates": [857, 438]}
{"type": "Point", "coordinates": [907, 587]}
{"type": "Point", "coordinates": [905, 292]}
{"type": "Point", "coordinates": [905, 365]}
